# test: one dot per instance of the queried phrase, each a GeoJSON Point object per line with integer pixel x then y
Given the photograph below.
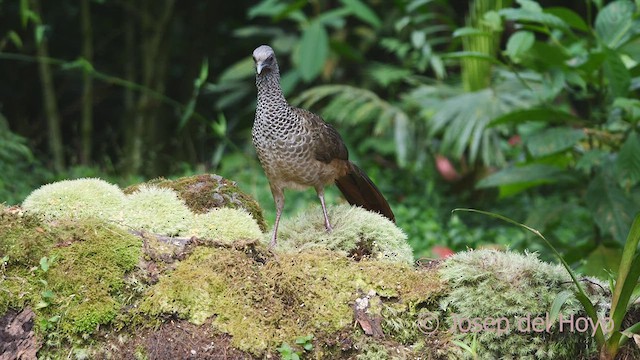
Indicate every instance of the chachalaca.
{"type": "Point", "coordinates": [297, 149]}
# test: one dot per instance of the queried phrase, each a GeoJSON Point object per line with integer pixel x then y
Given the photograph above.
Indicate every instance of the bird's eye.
{"type": "Point", "coordinates": [254, 58]}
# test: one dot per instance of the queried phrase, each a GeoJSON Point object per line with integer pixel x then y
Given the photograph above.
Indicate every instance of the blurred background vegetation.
{"type": "Point", "coordinates": [524, 108]}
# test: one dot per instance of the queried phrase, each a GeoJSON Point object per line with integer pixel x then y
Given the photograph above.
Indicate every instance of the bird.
{"type": "Point", "coordinates": [298, 149]}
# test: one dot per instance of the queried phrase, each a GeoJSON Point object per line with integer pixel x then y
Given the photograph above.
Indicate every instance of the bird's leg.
{"type": "Point", "coordinates": [278, 198]}
{"type": "Point", "coordinates": [320, 191]}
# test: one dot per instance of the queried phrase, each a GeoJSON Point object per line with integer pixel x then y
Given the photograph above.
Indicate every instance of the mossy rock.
{"type": "Point", "coordinates": [514, 293]}
{"type": "Point", "coordinates": [205, 192]}
{"type": "Point", "coordinates": [98, 291]}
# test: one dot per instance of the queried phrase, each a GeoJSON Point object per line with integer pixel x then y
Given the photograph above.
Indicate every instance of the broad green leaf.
{"type": "Point", "coordinates": [570, 17]}
{"type": "Point", "coordinates": [293, 11]}
{"type": "Point", "coordinates": [628, 162]}
{"type": "Point", "coordinates": [289, 81]}
{"type": "Point", "coordinates": [240, 70]}
{"type": "Point", "coordinates": [550, 116]}
{"type": "Point", "coordinates": [469, 31]}
{"type": "Point", "coordinates": [614, 22]}
{"type": "Point", "coordinates": [313, 51]}
{"type": "Point", "coordinates": [418, 38]}
{"type": "Point", "coordinates": [267, 8]}
{"type": "Point", "coordinates": [386, 74]}
{"type": "Point", "coordinates": [519, 44]}
{"type": "Point", "coordinates": [44, 264]}
{"type": "Point", "coordinates": [527, 174]}
{"type": "Point", "coordinates": [612, 209]}
{"type": "Point", "coordinates": [362, 12]}
{"type": "Point", "coordinates": [530, 5]}
{"type": "Point", "coordinates": [553, 140]}
{"type": "Point", "coordinates": [630, 106]}
{"type": "Point", "coordinates": [601, 262]}
{"type": "Point", "coordinates": [550, 54]}
{"type": "Point", "coordinates": [522, 15]}
{"type": "Point", "coordinates": [492, 20]}
{"type": "Point", "coordinates": [617, 74]}
{"type": "Point", "coordinates": [592, 159]}
{"type": "Point", "coordinates": [334, 18]}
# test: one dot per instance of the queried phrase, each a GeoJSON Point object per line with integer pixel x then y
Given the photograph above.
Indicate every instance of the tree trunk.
{"type": "Point", "coordinates": [87, 81]}
{"type": "Point", "coordinates": [49, 100]}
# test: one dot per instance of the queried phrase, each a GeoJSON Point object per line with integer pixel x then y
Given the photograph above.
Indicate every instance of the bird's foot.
{"type": "Point", "coordinates": [273, 242]}
{"type": "Point", "coordinates": [328, 227]}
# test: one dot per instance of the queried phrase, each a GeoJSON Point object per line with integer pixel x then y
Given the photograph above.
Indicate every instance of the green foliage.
{"type": "Point", "coordinates": [598, 139]}
{"type": "Point", "coordinates": [288, 353]}
{"type": "Point", "coordinates": [20, 172]}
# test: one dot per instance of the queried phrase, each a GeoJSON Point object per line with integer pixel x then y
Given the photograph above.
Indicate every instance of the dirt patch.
{"type": "Point", "coordinates": [175, 339]}
{"type": "Point", "coordinates": [17, 339]}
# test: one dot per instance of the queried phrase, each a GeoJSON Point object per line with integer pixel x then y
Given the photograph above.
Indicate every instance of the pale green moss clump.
{"type": "Point", "coordinates": [76, 199]}
{"type": "Point", "coordinates": [489, 284]}
{"type": "Point", "coordinates": [226, 225]}
{"type": "Point", "coordinates": [356, 232]}
{"type": "Point", "coordinates": [157, 210]}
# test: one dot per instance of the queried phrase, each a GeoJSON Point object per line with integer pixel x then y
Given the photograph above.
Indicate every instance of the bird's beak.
{"type": "Point", "coordinates": [259, 66]}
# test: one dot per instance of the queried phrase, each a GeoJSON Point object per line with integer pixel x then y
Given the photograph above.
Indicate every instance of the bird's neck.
{"type": "Point", "coordinates": [269, 90]}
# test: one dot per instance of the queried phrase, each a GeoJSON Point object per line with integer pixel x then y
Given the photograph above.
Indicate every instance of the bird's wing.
{"type": "Point", "coordinates": [327, 141]}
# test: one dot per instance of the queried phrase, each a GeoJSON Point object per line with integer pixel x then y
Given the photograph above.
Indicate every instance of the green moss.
{"type": "Point", "coordinates": [83, 285]}
{"type": "Point", "coordinates": [157, 210]}
{"type": "Point", "coordinates": [23, 238]}
{"type": "Point", "coordinates": [205, 192]}
{"type": "Point", "coordinates": [226, 225]}
{"type": "Point", "coordinates": [264, 305]}
{"type": "Point", "coordinates": [79, 199]}
{"type": "Point", "coordinates": [356, 232]}
{"type": "Point", "coordinates": [491, 284]}
{"type": "Point", "coordinates": [87, 277]}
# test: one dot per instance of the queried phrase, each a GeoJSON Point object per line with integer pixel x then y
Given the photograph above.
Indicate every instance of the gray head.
{"type": "Point", "coordinates": [265, 59]}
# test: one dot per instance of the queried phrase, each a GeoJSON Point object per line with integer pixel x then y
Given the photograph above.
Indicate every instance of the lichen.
{"type": "Point", "coordinates": [78, 199]}
{"type": "Point", "coordinates": [356, 232]}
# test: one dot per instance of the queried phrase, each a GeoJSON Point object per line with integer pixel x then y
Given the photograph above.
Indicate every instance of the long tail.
{"type": "Point", "coordinates": [359, 190]}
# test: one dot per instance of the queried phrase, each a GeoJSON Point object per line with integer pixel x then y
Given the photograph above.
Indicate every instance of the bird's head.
{"type": "Point", "coordinates": [265, 59]}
